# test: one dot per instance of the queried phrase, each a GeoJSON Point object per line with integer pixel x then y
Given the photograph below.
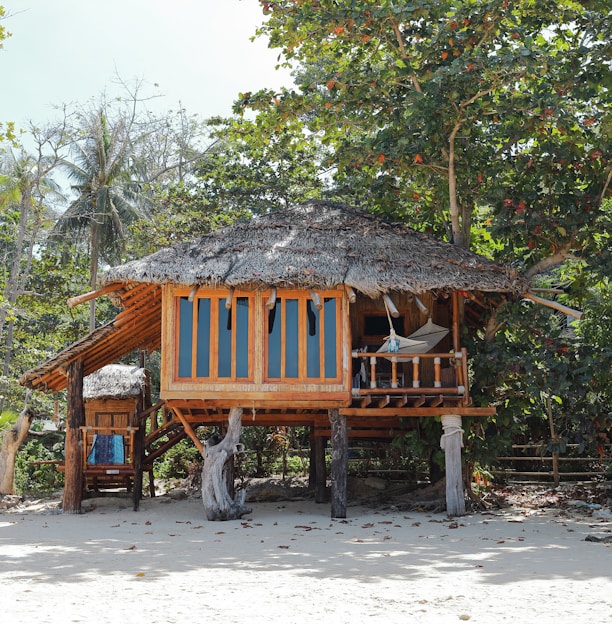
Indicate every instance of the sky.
{"type": "Point", "coordinates": [70, 51]}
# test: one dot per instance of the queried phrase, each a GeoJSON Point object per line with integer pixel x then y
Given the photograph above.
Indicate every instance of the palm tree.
{"type": "Point", "coordinates": [107, 198]}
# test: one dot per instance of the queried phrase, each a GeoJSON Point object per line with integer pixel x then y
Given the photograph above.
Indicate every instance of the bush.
{"type": "Point", "coordinates": [33, 478]}
{"type": "Point", "coordinates": [177, 463]}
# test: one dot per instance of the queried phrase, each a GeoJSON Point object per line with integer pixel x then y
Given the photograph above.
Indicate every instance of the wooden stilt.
{"type": "Point", "coordinates": [451, 443]}
{"type": "Point", "coordinates": [320, 469]}
{"type": "Point", "coordinates": [75, 419]}
{"type": "Point", "coordinates": [151, 484]}
{"type": "Point", "coordinates": [312, 466]}
{"type": "Point", "coordinates": [138, 452]}
{"type": "Point", "coordinates": [339, 464]}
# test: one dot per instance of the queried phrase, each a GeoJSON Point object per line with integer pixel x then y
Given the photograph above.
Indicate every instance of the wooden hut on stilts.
{"type": "Point", "coordinates": [321, 315]}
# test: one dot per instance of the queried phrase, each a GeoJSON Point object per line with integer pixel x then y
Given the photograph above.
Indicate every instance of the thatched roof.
{"type": "Point", "coordinates": [114, 381]}
{"type": "Point", "coordinates": [320, 245]}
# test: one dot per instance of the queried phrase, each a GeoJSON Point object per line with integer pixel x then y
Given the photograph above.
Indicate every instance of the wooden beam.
{"type": "Point", "coordinates": [455, 321]}
{"type": "Point", "coordinates": [189, 430]}
{"type": "Point", "coordinates": [553, 304]}
{"type": "Point", "coordinates": [94, 294]}
{"type": "Point", "coordinates": [271, 302]}
{"type": "Point", "coordinates": [422, 307]}
{"type": "Point", "coordinates": [193, 293]}
{"type": "Point", "coordinates": [316, 300]}
{"type": "Point", "coordinates": [228, 299]}
{"type": "Point", "coordinates": [409, 412]}
{"type": "Point", "coordinates": [383, 401]}
{"type": "Point", "coordinates": [351, 294]}
{"type": "Point", "coordinates": [393, 311]}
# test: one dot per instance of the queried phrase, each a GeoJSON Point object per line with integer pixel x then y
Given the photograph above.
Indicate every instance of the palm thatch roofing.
{"type": "Point", "coordinates": [321, 245]}
{"type": "Point", "coordinates": [316, 245]}
{"type": "Point", "coordinates": [114, 381]}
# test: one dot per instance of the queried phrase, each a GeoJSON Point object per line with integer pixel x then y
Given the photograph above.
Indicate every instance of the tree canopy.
{"type": "Point", "coordinates": [445, 108]}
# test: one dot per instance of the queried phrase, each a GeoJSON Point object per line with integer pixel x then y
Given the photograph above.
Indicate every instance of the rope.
{"type": "Point", "coordinates": [393, 342]}
{"type": "Point", "coordinates": [452, 426]}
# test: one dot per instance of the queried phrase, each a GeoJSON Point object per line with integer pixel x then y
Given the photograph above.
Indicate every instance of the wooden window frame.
{"type": "Point", "coordinates": [302, 297]}
{"type": "Point", "coordinates": [215, 296]}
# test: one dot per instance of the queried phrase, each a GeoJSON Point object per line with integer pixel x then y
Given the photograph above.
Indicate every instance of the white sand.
{"type": "Point", "coordinates": [289, 562]}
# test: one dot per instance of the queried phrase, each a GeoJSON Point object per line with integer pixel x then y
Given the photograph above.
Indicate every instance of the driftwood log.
{"type": "Point", "coordinates": [12, 439]}
{"type": "Point", "coordinates": [218, 503]}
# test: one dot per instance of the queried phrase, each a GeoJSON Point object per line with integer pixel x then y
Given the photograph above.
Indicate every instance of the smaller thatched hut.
{"type": "Point", "coordinates": [114, 397]}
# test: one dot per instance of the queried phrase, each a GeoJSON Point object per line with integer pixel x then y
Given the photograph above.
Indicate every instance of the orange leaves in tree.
{"type": "Point", "coordinates": [381, 158]}
{"type": "Point", "coordinates": [331, 84]}
{"type": "Point", "coordinates": [418, 159]}
{"type": "Point", "coordinates": [444, 55]}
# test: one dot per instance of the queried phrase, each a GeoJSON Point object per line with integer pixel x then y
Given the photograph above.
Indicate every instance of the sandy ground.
{"type": "Point", "coordinates": [289, 562]}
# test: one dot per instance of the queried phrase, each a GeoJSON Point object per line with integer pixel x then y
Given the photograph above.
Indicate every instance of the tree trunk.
{"type": "Point", "coordinates": [12, 439]}
{"type": "Point", "coordinates": [95, 252]}
{"type": "Point", "coordinates": [218, 503]}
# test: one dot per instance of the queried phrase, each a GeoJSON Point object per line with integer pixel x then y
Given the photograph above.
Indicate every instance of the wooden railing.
{"type": "Point", "coordinates": [450, 374]}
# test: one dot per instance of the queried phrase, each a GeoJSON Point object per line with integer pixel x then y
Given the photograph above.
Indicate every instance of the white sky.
{"type": "Point", "coordinates": [198, 51]}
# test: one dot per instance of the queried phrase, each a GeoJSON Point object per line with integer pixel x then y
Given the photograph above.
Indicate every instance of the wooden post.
{"type": "Point", "coordinates": [138, 452]}
{"type": "Point", "coordinates": [456, 322]}
{"type": "Point", "coordinates": [75, 419]}
{"type": "Point", "coordinates": [320, 469]}
{"type": "Point", "coordinates": [339, 464]}
{"type": "Point", "coordinates": [312, 462]}
{"type": "Point", "coordinates": [555, 442]}
{"type": "Point", "coordinates": [451, 443]}
{"type": "Point", "coordinates": [139, 439]}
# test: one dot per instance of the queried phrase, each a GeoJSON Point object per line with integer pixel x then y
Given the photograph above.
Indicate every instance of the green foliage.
{"type": "Point", "coordinates": [537, 362]}
{"type": "Point", "coordinates": [271, 451]}
{"type": "Point", "coordinates": [179, 461]}
{"type": "Point", "coordinates": [430, 110]}
{"type": "Point", "coordinates": [33, 478]}
{"type": "Point", "coordinates": [7, 418]}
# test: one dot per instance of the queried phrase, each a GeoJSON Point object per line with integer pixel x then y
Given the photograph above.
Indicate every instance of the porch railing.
{"type": "Point", "coordinates": [450, 374]}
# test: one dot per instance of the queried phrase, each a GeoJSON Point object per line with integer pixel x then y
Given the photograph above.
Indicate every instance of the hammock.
{"type": "Point", "coordinates": [430, 333]}
{"type": "Point", "coordinates": [420, 341]}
